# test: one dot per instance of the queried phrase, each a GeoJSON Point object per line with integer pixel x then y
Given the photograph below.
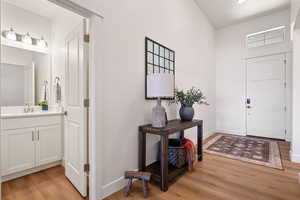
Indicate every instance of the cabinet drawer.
{"type": "Point", "coordinates": [29, 122]}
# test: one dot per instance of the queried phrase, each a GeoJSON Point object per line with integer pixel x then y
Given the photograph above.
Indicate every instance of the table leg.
{"type": "Point", "coordinates": [142, 151]}
{"type": "Point", "coordinates": [199, 141]}
{"type": "Point", "coordinates": [164, 163]}
{"type": "Point", "coordinates": [182, 134]}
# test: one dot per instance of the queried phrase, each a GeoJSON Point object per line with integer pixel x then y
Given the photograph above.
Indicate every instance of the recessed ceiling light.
{"type": "Point", "coordinates": [241, 1]}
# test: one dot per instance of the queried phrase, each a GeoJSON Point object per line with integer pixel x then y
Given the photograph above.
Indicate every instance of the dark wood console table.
{"type": "Point", "coordinates": [161, 171]}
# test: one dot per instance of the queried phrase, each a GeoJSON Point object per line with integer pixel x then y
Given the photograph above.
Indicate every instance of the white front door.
{"type": "Point", "coordinates": [265, 103]}
{"type": "Point", "coordinates": [76, 118]}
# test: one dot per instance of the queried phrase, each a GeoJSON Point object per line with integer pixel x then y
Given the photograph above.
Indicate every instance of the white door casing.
{"type": "Point", "coordinates": [266, 101]}
{"type": "Point", "coordinates": [76, 118]}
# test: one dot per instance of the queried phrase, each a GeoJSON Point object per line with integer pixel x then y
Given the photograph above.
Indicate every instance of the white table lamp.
{"type": "Point", "coordinates": [160, 86]}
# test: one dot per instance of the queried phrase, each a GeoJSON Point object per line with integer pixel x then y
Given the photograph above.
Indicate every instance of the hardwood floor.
{"type": "Point", "coordinates": [216, 178]}
{"type": "Point", "coordinates": [50, 184]}
{"type": "Point", "coordinates": [219, 178]}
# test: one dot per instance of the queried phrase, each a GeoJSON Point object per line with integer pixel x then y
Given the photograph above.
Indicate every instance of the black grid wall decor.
{"type": "Point", "coordinates": [158, 59]}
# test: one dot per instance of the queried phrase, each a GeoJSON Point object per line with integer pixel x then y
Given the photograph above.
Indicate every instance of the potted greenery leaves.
{"type": "Point", "coordinates": [187, 100]}
{"type": "Point", "coordinates": [44, 105]}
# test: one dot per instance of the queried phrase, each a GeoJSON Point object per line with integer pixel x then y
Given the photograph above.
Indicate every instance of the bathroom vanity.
{"type": "Point", "coordinates": [30, 142]}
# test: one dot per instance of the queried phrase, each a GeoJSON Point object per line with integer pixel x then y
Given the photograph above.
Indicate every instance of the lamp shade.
{"type": "Point", "coordinates": [160, 85]}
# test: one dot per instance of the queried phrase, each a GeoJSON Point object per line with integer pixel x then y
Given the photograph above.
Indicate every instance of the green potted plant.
{"type": "Point", "coordinates": [44, 105]}
{"type": "Point", "coordinates": [187, 100]}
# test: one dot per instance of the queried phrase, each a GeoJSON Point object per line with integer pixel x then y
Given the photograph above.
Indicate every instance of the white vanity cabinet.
{"type": "Point", "coordinates": [30, 142]}
{"type": "Point", "coordinates": [48, 145]}
{"type": "Point", "coordinates": [18, 150]}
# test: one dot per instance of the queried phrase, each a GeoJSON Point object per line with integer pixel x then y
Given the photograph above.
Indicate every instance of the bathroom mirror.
{"type": "Point", "coordinates": [25, 77]}
{"type": "Point", "coordinates": [18, 84]}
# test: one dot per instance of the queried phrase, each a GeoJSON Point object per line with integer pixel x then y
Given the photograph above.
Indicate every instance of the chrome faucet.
{"type": "Point", "coordinates": [28, 108]}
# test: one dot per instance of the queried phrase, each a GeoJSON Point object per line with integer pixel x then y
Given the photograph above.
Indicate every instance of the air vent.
{"type": "Point", "coordinates": [263, 38]}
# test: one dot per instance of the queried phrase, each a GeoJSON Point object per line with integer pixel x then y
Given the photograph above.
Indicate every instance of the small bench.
{"type": "Point", "coordinates": [142, 176]}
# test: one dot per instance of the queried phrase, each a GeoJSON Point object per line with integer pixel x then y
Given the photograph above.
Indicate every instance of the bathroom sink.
{"type": "Point", "coordinates": [18, 111]}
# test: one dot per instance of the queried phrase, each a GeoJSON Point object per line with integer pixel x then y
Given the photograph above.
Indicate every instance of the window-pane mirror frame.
{"type": "Point", "coordinates": [158, 59]}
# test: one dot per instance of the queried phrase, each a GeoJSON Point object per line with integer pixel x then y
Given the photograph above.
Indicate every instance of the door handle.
{"type": "Point", "coordinates": [38, 134]}
{"type": "Point", "coordinates": [32, 136]}
{"type": "Point", "coordinates": [249, 107]}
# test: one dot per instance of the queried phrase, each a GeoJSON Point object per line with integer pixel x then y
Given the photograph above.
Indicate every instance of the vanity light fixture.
{"type": "Point", "coordinates": [27, 39]}
{"type": "Point", "coordinates": [11, 34]}
{"type": "Point", "coordinates": [42, 43]}
{"type": "Point", "coordinates": [241, 1]}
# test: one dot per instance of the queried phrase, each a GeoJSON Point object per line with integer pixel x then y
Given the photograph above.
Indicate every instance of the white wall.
{"type": "Point", "coordinates": [119, 52]}
{"type": "Point", "coordinates": [231, 53]}
{"type": "Point", "coordinates": [121, 106]}
{"type": "Point", "coordinates": [295, 6]}
{"type": "Point", "coordinates": [295, 151]}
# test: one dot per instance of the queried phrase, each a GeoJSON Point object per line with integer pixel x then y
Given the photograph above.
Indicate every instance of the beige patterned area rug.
{"type": "Point", "coordinates": [249, 149]}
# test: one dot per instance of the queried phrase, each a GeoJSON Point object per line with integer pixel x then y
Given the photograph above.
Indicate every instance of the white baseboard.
{"type": "Point", "coordinates": [29, 171]}
{"type": "Point", "coordinates": [295, 157]}
{"type": "Point", "coordinates": [233, 132]}
{"type": "Point", "coordinates": [208, 133]}
{"type": "Point", "coordinates": [114, 186]}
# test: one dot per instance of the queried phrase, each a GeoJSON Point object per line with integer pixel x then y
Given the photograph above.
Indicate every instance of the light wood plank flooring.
{"type": "Point", "coordinates": [50, 184]}
{"type": "Point", "coordinates": [219, 178]}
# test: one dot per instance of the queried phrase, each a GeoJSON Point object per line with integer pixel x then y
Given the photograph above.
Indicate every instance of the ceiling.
{"type": "Point", "coordinates": [227, 12]}
{"type": "Point", "coordinates": [43, 8]}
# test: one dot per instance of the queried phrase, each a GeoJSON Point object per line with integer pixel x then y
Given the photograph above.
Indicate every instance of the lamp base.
{"type": "Point", "coordinates": [158, 115]}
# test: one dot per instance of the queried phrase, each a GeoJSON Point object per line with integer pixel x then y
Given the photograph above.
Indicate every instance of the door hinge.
{"type": "Point", "coordinates": [86, 103]}
{"type": "Point", "coordinates": [86, 168]}
{"type": "Point", "coordinates": [86, 38]}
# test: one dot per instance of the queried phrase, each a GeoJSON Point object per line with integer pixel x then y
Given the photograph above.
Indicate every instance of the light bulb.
{"type": "Point", "coordinates": [11, 35]}
{"type": "Point", "coordinates": [241, 1]}
{"type": "Point", "coordinates": [27, 39]}
{"type": "Point", "coordinates": [42, 43]}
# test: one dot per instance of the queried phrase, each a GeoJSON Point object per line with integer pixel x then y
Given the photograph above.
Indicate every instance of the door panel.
{"type": "Point", "coordinates": [18, 150]}
{"type": "Point", "coordinates": [266, 94]}
{"type": "Point", "coordinates": [76, 119]}
{"type": "Point", "coordinates": [48, 144]}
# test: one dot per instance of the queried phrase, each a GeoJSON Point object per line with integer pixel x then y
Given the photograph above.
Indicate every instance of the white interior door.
{"type": "Point", "coordinates": [265, 102]}
{"type": "Point", "coordinates": [76, 118]}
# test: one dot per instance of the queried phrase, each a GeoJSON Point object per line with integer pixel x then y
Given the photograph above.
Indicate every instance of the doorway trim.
{"type": "Point", "coordinates": [92, 18]}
